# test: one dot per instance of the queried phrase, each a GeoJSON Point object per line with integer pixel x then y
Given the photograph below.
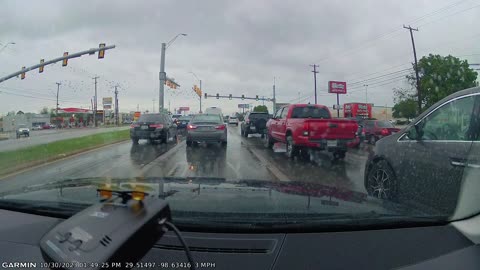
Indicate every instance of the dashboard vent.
{"type": "Point", "coordinates": [215, 250]}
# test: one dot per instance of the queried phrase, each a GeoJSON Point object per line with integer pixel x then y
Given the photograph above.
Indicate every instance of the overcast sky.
{"type": "Point", "coordinates": [234, 47]}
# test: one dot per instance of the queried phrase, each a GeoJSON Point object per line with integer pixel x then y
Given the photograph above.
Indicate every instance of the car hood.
{"type": "Point", "coordinates": [216, 195]}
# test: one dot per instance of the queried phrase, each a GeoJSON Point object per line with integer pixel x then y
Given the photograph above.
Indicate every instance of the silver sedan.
{"type": "Point", "coordinates": [208, 128]}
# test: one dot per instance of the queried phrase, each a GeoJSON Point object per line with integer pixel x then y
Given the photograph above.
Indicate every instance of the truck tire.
{"type": "Point", "coordinates": [268, 141]}
{"type": "Point", "coordinates": [245, 133]}
{"type": "Point", "coordinates": [189, 143]}
{"type": "Point", "coordinates": [134, 140]}
{"type": "Point", "coordinates": [165, 139]}
{"type": "Point", "coordinates": [292, 150]}
{"type": "Point", "coordinates": [339, 155]}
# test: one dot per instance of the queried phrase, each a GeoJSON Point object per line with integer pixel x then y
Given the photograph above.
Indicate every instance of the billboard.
{"type": "Point", "coordinates": [136, 115]}
{"type": "Point", "coordinates": [107, 103]}
{"type": "Point", "coordinates": [335, 87]}
{"type": "Point", "coordinates": [184, 109]}
{"type": "Point", "coordinates": [243, 106]}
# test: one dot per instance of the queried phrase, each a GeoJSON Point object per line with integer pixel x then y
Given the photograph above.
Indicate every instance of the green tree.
{"type": "Point", "coordinates": [260, 108]}
{"type": "Point", "coordinates": [441, 76]}
{"type": "Point", "coordinates": [406, 108]}
{"type": "Point", "coordinates": [44, 110]}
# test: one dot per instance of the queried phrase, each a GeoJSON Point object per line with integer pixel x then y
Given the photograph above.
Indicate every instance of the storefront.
{"type": "Point", "coordinates": [73, 117]}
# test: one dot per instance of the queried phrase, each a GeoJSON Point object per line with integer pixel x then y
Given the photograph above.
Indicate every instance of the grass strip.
{"type": "Point", "coordinates": [11, 161]}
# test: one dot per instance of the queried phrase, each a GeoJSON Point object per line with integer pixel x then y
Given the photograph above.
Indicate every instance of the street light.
{"type": "Point", "coordinates": [200, 96]}
{"type": "Point", "coordinates": [163, 75]}
{"type": "Point", "coordinates": [366, 95]}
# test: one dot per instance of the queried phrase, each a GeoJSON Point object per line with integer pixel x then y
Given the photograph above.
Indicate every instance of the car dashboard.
{"type": "Point", "coordinates": [431, 247]}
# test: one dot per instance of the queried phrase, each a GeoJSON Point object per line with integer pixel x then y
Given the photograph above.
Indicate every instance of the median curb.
{"type": "Point", "coordinates": [40, 163]}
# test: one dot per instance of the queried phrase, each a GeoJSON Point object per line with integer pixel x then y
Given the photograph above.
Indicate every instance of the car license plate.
{"type": "Point", "coordinates": [331, 143]}
{"type": "Point", "coordinates": [144, 127]}
{"type": "Point", "coordinates": [253, 128]}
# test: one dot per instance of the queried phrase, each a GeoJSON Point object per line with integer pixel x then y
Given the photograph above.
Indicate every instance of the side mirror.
{"type": "Point", "coordinates": [415, 133]}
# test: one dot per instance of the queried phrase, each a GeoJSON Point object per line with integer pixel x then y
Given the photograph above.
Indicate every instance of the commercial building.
{"type": "Point", "coordinates": [11, 121]}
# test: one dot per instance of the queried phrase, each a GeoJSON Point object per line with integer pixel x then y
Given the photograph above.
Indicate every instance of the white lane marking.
{"type": "Point", "coordinates": [272, 168]}
{"type": "Point", "coordinates": [163, 157]}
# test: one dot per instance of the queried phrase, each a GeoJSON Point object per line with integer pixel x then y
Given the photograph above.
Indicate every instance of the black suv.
{"type": "Point", "coordinates": [153, 126]}
{"type": "Point", "coordinates": [254, 123]}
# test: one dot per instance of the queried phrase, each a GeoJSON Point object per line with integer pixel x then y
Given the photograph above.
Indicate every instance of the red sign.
{"type": "Point", "coordinates": [184, 109]}
{"type": "Point", "coordinates": [337, 87]}
{"type": "Point", "coordinates": [357, 109]}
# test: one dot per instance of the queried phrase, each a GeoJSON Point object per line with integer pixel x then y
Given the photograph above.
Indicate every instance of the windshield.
{"type": "Point", "coordinates": [245, 112]}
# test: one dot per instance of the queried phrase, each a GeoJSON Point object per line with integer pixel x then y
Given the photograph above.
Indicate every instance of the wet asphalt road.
{"type": "Point", "coordinates": [244, 158]}
{"type": "Point", "coordinates": [48, 136]}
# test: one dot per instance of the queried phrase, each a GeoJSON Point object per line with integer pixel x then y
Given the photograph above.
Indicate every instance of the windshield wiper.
{"type": "Point", "coordinates": [44, 208]}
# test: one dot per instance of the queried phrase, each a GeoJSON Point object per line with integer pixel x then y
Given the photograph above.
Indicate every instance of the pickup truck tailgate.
{"type": "Point", "coordinates": [331, 129]}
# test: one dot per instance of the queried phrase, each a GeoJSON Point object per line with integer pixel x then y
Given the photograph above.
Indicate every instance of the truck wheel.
{"type": "Point", "coordinates": [305, 154]}
{"type": "Point", "coordinates": [245, 133]}
{"type": "Point", "coordinates": [268, 141]}
{"type": "Point", "coordinates": [189, 143]}
{"type": "Point", "coordinates": [165, 139]}
{"type": "Point", "coordinates": [292, 150]}
{"type": "Point", "coordinates": [134, 140]}
{"type": "Point", "coordinates": [338, 155]}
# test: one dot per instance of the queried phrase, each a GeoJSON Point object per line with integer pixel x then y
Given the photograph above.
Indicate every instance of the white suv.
{"type": "Point", "coordinates": [233, 120]}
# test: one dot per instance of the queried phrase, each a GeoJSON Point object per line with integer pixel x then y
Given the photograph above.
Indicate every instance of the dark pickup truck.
{"type": "Point", "coordinates": [304, 127]}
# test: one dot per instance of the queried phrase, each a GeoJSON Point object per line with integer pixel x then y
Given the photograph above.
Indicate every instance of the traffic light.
{"type": "Point", "coordinates": [218, 96]}
{"type": "Point", "coordinates": [22, 76]}
{"type": "Point", "coordinates": [243, 97]}
{"type": "Point", "coordinates": [65, 61]}
{"type": "Point", "coordinates": [230, 96]}
{"type": "Point", "coordinates": [101, 53]}
{"type": "Point", "coordinates": [40, 69]}
{"type": "Point", "coordinates": [256, 97]}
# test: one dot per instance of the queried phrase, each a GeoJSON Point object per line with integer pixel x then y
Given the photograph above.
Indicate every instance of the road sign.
{"type": "Point", "coordinates": [335, 87]}
{"type": "Point", "coordinates": [243, 106]}
{"type": "Point", "coordinates": [107, 103]}
{"type": "Point", "coordinates": [184, 109]}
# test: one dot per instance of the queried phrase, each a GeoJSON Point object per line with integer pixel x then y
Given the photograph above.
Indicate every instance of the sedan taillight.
{"type": "Point", "coordinates": [385, 132]}
{"type": "Point", "coordinates": [160, 126]}
{"type": "Point", "coordinates": [220, 127]}
{"type": "Point", "coordinates": [191, 127]}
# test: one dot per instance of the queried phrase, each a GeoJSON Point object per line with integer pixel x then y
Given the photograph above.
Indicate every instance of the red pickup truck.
{"type": "Point", "coordinates": [304, 126]}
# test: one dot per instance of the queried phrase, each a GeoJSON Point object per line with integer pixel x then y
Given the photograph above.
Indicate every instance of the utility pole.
{"type": "Point", "coordinates": [274, 100]}
{"type": "Point", "coordinates": [163, 77]}
{"type": "Point", "coordinates": [58, 90]}
{"type": "Point", "coordinates": [116, 106]}
{"type": "Point", "coordinates": [138, 107]}
{"type": "Point", "coordinates": [366, 93]}
{"type": "Point", "coordinates": [95, 103]}
{"type": "Point", "coordinates": [315, 79]}
{"type": "Point", "coordinates": [416, 67]}
{"type": "Point", "coordinates": [168, 105]}
{"type": "Point", "coordinates": [263, 100]}
{"type": "Point", "coordinates": [153, 105]}
{"type": "Point", "coordinates": [200, 96]}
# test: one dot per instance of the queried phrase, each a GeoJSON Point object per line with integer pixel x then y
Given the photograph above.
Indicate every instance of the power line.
{"type": "Point", "coordinates": [381, 76]}
{"type": "Point", "coordinates": [390, 33]}
{"type": "Point", "coordinates": [36, 97]}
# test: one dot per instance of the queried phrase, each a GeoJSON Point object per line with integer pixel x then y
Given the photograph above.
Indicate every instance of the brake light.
{"type": "Point", "coordinates": [306, 128]}
{"type": "Point", "coordinates": [134, 125]}
{"type": "Point", "coordinates": [156, 126]}
{"type": "Point", "coordinates": [191, 127]}
{"type": "Point", "coordinates": [385, 132]}
{"type": "Point", "coordinates": [220, 127]}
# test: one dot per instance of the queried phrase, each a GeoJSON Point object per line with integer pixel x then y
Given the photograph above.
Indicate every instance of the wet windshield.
{"type": "Point", "coordinates": [237, 110]}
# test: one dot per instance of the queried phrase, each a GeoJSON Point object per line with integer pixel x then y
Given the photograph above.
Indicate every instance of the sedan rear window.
{"type": "Point", "coordinates": [310, 112]}
{"type": "Point", "coordinates": [384, 124]}
{"type": "Point", "coordinates": [214, 118]}
{"type": "Point", "coordinates": [151, 118]}
{"type": "Point", "coordinates": [258, 116]}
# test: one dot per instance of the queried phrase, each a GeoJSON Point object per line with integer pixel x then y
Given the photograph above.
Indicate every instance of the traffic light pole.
{"type": "Point", "coordinates": [242, 98]}
{"type": "Point", "coordinates": [49, 62]}
{"type": "Point", "coordinates": [162, 78]}
{"type": "Point", "coordinates": [200, 97]}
